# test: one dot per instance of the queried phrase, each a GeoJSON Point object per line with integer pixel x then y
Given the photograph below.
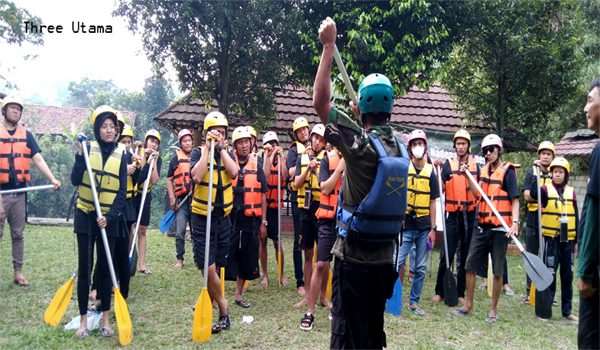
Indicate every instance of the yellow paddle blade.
{"type": "Point", "coordinates": [329, 289]}
{"type": "Point", "coordinates": [315, 254]}
{"type": "Point", "coordinates": [490, 277]}
{"type": "Point", "coordinates": [59, 303]}
{"type": "Point", "coordinates": [532, 294]}
{"type": "Point", "coordinates": [222, 276]}
{"type": "Point", "coordinates": [245, 286]}
{"type": "Point", "coordinates": [124, 326]}
{"type": "Point", "coordinates": [279, 268]}
{"type": "Point", "coordinates": [201, 325]}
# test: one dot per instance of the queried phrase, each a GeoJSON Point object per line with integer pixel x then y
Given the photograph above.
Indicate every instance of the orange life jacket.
{"type": "Point", "coordinates": [272, 186]}
{"type": "Point", "coordinates": [458, 197]}
{"type": "Point", "coordinates": [328, 202]}
{"type": "Point", "coordinates": [492, 186]}
{"type": "Point", "coordinates": [252, 187]}
{"type": "Point", "coordinates": [182, 177]}
{"type": "Point", "coordinates": [14, 154]}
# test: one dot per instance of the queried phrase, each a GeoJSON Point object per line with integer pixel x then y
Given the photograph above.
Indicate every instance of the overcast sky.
{"type": "Point", "coordinates": [69, 57]}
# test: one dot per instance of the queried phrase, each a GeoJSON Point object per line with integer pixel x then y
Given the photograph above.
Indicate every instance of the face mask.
{"type": "Point", "coordinates": [418, 151]}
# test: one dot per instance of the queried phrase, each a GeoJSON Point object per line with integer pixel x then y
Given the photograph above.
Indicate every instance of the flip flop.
{"type": "Point", "coordinates": [491, 319]}
{"type": "Point", "coordinates": [21, 282]}
{"type": "Point", "coordinates": [145, 272]}
{"type": "Point", "coordinates": [460, 312]}
{"type": "Point", "coordinates": [242, 303]}
{"type": "Point", "coordinates": [107, 332]}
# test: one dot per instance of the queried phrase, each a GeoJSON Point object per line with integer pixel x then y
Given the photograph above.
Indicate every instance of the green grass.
{"type": "Point", "coordinates": [161, 308]}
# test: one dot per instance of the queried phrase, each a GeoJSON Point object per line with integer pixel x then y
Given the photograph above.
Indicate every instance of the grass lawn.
{"type": "Point", "coordinates": [161, 308]}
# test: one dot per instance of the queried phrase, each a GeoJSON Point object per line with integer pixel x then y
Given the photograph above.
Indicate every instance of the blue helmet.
{"type": "Point", "coordinates": [375, 94]}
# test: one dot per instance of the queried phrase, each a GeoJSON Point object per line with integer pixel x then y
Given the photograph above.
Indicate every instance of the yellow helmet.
{"type": "Point", "coordinates": [101, 110]}
{"type": "Point", "coordinates": [561, 162]}
{"type": "Point", "coordinates": [252, 131]}
{"type": "Point", "coordinates": [299, 123]}
{"type": "Point", "coordinates": [241, 132]}
{"type": "Point", "coordinates": [127, 131]}
{"type": "Point", "coordinates": [546, 145]}
{"type": "Point", "coordinates": [462, 133]}
{"type": "Point", "coordinates": [215, 118]}
{"type": "Point", "coordinates": [12, 99]}
{"type": "Point", "coordinates": [152, 133]}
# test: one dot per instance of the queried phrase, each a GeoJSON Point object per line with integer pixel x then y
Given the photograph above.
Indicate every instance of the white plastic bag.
{"type": "Point", "coordinates": [93, 321]}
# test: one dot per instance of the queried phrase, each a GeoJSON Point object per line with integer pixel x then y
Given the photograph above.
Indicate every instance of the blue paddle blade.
{"type": "Point", "coordinates": [167, 221]}
{"type": "Point", "coordinates": [393, 305]}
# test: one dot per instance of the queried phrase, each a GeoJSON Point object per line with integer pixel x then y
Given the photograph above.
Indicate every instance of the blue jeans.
{"type": "Point", "coordinates": [419, 239]}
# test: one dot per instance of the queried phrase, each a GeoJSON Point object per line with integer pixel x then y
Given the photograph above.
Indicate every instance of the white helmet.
{"type": "Point", "coordinates": [318, 129]}
{"type": "Point", "coordinates": [270, 136]}
{"type": "Point", "coordinates": [241, 132]}
{"type": "Point", "coordinates": [491, 140]}
{"type": "Point", "coordinates": [12, 99]}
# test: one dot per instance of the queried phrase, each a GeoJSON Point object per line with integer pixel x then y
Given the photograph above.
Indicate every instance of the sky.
{"type": "Point", "coordinates": [67, 56]}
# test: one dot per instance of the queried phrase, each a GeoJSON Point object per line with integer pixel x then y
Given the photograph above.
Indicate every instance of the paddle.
{"type": "Point", "coordinates": [536, 171]}
{"type": "Point", "coordinates": [28, 189]}
{"type": "Point", "coordinates": [449, 282]}
{"type": "Point", "coordinates": [345, 77]}
{"type": "Point", "coordinates": [490, 277]}
{"type": "Point", "coordinates": [201, 325]}
{"type": "Point", "coordinates": [393, 305]}
{"type": "Point", "coordinates": [534, 266]}
{"type": "Point", "coordinates": [140, 211]}
{"type": "Point", "coordinates": [542, 300]}
{"type": "Point", "coordinates": [169, 217]}
{"type": "Point", "coordinates": [59, 303]}
{"type": "Point", "coordinates": [124, 326]}
{"type": "Point", "coordinates": [279, 245]}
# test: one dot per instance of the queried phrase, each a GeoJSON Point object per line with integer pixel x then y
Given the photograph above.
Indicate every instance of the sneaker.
{"type": "Point", "coordinates": [416, 310]}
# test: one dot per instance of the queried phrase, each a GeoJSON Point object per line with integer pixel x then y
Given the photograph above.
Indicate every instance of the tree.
{"type": "Point", "coordinates": [93, 93]}
{"type": "Point", "coordinates": [12, 19]}
{"type": "Point", "coordinates": [517, 64]}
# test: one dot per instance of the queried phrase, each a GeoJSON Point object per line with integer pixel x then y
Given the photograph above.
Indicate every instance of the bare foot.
{"type": "Point", "coordinates": [301, 291]}
{"type": "Point", "coordinates": [325, 303]}
{"type": "Point", "coordinates": [436, 298]}
{"type": "Point", "coordinates": [179, 264]}
{"type": "Point", "coordinates": [264, 282]}
{"type": "Point", "coordinates": [284, 281]}
{"type": "Point", "coordinates": [92, 295]}
{"type": "Point", "coordinates": [82, 332]}
{"type": "Point", "coordinates": [461, 301]}
{"type": "Point", "coordinates": [300, 303]}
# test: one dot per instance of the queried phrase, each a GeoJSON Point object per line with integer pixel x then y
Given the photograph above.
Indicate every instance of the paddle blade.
{"type": "Point", "coordinates": [124, 326]}
{"type": "Point", "coordinates": [279, 268]}
{"type": "Point", "coordinates": [222, 273]}
{"type": "Point", "coordinates": [329, 289]}
{"type": "Point", "coordinates": [490, 277]}
{"type": "Point", "coordinates": [167, 221]}
{"type": "Point", "coordinates": [532, 294]}
{"type": "Point", "coordinates": [450, 290]}
{"type": "Point", "coordinates": [59, 303]}
{"type": "Point", "coordinates": [133, 263]}
{"type": "Point", "coordinates": [393, 305]}
{"type": "Point", "coordinates": [537, 271]}
{"type": "Point", "coordinates": [201, 326]}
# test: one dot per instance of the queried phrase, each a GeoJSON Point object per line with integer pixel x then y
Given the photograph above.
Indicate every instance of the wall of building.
{"type": "Point", "coordinates": [580, 185]}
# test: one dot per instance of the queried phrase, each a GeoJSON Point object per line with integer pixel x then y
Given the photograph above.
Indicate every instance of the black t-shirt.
{"type": "Point", "coordinates": [35, 149]}
{"type": "Point", "coordinates": [424, 222]}
{"type": "Point", "coordinates": [593, 188]}
{"type": "Point", "coordinates": [244, 223]}
{"type": "Point", "coordinates": [290, 162]}
{"type": "Point", "coordinates": [530, 182]}
{"type": "Point", "coordinates": [143, 176]}
{"type": "Point", "coordinates": [324, 172]}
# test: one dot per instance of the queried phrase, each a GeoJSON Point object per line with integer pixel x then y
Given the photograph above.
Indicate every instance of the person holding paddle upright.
{"type": "Point", "coordinates": [225, 170]}
{"type": "Point", "coordinates": [532, 232]}
{"type": "Point", "coordinates": [373, 201]}
{"type": "Point", "coordinates": [498, 181]}
{"type": "Point", "coordinates": [420, 215]}
{"type": "Point", "coordinates": [110, 169]}
{"type": "Point", "coordinates": [151, 148]}
{"type": "Point", "coordinates": [560, 222]}
{"type": "Point", "coordinates": [461, 205]}
{"type": "Point", "coordinates": [179, 184]}
{"type": "Point", "coordinates": [18, 149]}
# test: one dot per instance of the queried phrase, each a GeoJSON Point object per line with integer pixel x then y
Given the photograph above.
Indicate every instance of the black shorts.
{"type": "Point", "coordinates": [327, 237]}
{"type": "Point", "coordinates": [242, 261]}
{"type": "Point", "coordinates": [145, 219]}
{"type": "Point", "coordinates": [131, 210]}
{"type": "Point", "coordinates": [272, 227]}
{"type": "Point", "coordinates": [309, 229]}
{"type": "Point", "coordinates": [220, 235]}
{"type": "Point", "coordinates": [483, 242]}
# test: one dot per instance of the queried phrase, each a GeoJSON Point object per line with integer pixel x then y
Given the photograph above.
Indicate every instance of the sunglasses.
{"type": "Point", "coordinates": [487, 150]}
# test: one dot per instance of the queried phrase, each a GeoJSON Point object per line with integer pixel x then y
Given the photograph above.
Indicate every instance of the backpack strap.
{"type": "Point", "coordinates": [401, 147]}
{"type": "Point", "coordinates": [377, 145]}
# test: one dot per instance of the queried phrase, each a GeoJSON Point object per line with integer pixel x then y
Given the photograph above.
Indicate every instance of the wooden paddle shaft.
{"type": "Point", "coordinates": [92, 179]}
{"type": "Point", "coordinates": [494, 210]}
{"type": "Point", "coordinates": [345, 77]}
{"type": "Point", "coordinates": [211, 166]}
{"type": "Point", "coordinates": [141, 209]}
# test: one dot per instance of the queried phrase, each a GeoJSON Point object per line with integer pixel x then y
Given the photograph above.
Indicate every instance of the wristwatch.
{"type": "Point", "coordinates": [516, 222]}
{"type": "Point", "coordinates": [265, 222]}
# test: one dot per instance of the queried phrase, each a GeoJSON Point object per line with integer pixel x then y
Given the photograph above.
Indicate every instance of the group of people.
{"type": "Point", "coordinates": [362, 196]}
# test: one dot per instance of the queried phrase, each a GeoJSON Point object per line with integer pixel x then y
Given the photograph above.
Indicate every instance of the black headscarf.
{"type": "Point", "coordinates": [105, 147]}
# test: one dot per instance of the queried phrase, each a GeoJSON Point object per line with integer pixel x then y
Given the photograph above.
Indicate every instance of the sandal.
{"type": "Point", "coordinates": [224, 322]}
{"type": "Point", "coordinates": [107, 332]}
{"type": "Point", "coordinates": [82, 334]}
{"type": "Point", "coordinates": [216, 328]}
{"type": "Point", "coordinates": [461, 312]}
{"type": "Point", "coordinates": [242, 303]}
{"type": "Point", "coordinates": [21, 281]}
{"type": "Point", "coordinates": [491, 318]}
{"type": "Point", "coordinates": [307, 322]}
{"type": "Point", "coordinates": [145, 272]}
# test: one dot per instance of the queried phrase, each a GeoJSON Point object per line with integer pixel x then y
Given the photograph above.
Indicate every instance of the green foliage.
{"type": "Point", "coordinates": [12, 24]}
{"type": "Point", "coordinates": [92, 93]}
{"type": "Point", "coordinates": [518, 62]}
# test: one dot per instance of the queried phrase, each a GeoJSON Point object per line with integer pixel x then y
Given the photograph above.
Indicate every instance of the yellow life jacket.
{"type": "Point", "coordinates": [200, 196]}
{"type": "Point", "coordinates": [300, 149]}
{"type": "Point", "coordinates": [545, 180]}
{"type": "Point", "coordinates": [107, 179]}
{"type": "Point", "coordinates": [555, 209]}
{"type": "Point", "coordinates": [419, 191]}
{"type": "Point", "coordinates": [312, 179]}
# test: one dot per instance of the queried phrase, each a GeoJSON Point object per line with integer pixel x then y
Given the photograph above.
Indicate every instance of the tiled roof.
{"type": "Point", "coordinates": [432, 110]}
{"type": "Point", "coordinates": [577, 143]}
{"type": "Point", "coordinates": [58, 120]}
